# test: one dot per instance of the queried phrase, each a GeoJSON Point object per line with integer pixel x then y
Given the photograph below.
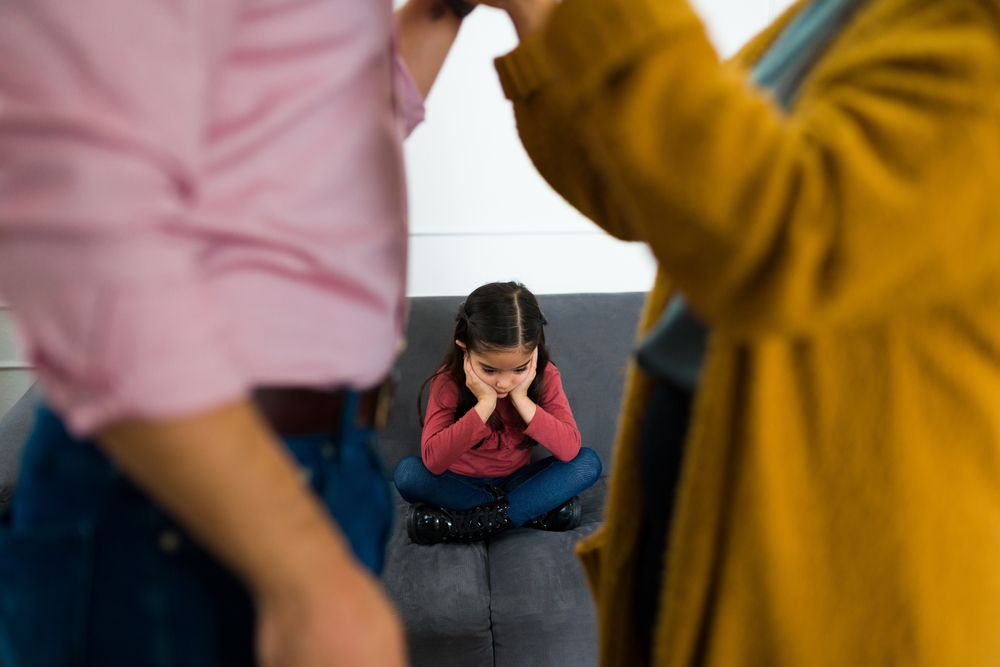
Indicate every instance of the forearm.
{"type": "Point", "coordinates": [525, 408]}
{"type": "Point", "coordinates": [560, 437]}
{"type": "Point", "coordinates": [440, 448]}
{"type": "Point", "coordinates": [426, 30]}
{"type": "Point", "coordinates": [553, 424]}
{"type": "Point", "coordinates": [485, 409]}
{"type": "Point", "coordinates": [210, 472]}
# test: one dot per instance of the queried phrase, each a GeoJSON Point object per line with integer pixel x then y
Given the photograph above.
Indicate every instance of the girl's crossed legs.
{"type": "Point", "coordinates": [531, 491]}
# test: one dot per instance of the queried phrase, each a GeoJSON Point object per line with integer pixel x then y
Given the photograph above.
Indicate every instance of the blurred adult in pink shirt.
{"type": "Point", "coordinates": [183, 180]}
{"type": "Point", "coordinates": [203, 197]}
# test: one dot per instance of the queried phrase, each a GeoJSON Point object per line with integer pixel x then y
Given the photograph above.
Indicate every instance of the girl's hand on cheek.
{"type": "Point", "coordinates": [521, 390]}
{"type": "Point", "coordinates": [484, 393]}
{"type": "Point", "coordinates": [519, 396]}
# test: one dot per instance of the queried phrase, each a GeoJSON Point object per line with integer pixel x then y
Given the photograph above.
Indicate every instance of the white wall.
{"type": "Point", "coordinates": [479, 211]}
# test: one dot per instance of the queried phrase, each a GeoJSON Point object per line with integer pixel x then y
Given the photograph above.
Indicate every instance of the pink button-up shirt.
{"type": "Point", "coordinates": [201, 196]}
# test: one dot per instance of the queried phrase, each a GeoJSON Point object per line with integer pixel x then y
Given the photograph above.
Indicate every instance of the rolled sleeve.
{"type": "Point", "coordinates": [116, 343]}
{"type": "Point", "coordinates": [410, 110]}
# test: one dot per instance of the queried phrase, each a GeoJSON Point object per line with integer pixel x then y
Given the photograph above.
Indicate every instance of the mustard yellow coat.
{"type": "Point", "coordinates": [839, 503]}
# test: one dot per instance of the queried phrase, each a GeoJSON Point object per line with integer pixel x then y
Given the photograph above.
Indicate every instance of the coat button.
{"type": "Point", "coordinates": [170, 541]}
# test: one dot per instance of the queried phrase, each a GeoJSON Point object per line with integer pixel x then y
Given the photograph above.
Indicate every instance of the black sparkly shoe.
{"type": "Point", "coordinates": [563, 518]}
{"type": "Point", "coordinates": [426, 524]}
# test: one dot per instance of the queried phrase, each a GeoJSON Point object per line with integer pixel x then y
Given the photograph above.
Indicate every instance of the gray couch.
{"type": "Point", "coordinates": [520, 600]}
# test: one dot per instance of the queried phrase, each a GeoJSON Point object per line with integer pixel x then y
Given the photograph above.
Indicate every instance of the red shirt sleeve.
{"type": "Point", "coordinates": [443, 439]}
{"type": "Point", "coordinates": [553, 425]}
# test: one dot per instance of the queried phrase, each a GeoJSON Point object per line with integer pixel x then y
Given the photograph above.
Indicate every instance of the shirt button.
{"type": "Point", "coordinates": [170, 541]}
{"type": "Point", "coordinates": [327, 450]}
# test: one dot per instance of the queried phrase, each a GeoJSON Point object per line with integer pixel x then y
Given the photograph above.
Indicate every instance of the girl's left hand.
{"type": "Point", "coordinates": [521, 390]}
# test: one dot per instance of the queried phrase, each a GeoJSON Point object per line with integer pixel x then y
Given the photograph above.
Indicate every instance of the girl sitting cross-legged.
{"type": "Point", "coordinates": [495, 397]}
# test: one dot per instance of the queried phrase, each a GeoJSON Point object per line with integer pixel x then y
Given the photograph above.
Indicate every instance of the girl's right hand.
{"type": "Point", "coordinates": [485, 394]}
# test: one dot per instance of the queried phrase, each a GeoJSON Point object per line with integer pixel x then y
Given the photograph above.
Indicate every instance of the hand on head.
{"type": "Point", "coordinates": [527, 15]}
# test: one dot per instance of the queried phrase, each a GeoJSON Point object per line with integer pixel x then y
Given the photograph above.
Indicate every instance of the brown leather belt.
{"type": "Point", "coordinates": [298, 411]}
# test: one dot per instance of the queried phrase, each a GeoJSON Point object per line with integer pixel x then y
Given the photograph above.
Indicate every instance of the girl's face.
{"type": "Point", "coordinates": [502, 369]}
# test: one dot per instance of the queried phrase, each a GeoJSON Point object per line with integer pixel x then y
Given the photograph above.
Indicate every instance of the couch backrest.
{"type": "Point", "coordinates": [591, 337]}
{"type": "Point", "coordinates": [15, 428]}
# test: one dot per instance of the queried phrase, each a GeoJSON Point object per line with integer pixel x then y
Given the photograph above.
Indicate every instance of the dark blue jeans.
{"type": "Point", "coordinates": [93, 573]}
{"type": "Point", "coordinates": [532, 490]}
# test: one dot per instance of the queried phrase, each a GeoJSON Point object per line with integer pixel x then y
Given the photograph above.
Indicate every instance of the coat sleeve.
{"type": "Point", "coordinates": [875, 192]}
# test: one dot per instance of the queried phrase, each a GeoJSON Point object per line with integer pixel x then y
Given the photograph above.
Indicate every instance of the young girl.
{"type": "Point", "coordinates": [495, 396]}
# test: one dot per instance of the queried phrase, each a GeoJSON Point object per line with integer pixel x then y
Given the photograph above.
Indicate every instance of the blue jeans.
{"type": "Point", "coordinates": [532, 490]}
{"type": "Point", "coordinates": [93, 573]}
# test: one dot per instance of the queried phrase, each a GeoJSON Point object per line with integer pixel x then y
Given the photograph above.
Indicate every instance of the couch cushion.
{"type": "Point", "coordinates": [590, 336]}
{"type": "Point", "coordinates": [520, 600]}
{"type": "Point", "coordinates": [442, 594]}
{"type": "Point", "coordinates": [541, 611]}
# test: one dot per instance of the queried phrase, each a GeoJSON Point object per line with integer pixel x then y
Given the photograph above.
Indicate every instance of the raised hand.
{"type": "Point", "coordinates": [526, 15]}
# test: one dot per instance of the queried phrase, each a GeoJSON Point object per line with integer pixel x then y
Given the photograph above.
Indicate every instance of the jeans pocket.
{"type": "Point", "coordinates": [45, 582]}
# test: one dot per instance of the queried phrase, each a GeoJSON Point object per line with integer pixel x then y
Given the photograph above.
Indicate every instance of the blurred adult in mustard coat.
{"type": "Point", "coordinates": [839, 498]}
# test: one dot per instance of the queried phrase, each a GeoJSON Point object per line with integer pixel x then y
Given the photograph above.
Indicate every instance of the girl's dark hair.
{"type": "Point", "coordinates": [495, 317]}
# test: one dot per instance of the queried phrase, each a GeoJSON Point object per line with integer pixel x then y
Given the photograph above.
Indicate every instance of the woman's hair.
{"type": "Point", "coordinates": [495, 317]}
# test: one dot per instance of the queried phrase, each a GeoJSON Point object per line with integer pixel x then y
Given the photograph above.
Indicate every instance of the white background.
{"type": "Point", "coordinates": [479, 211]}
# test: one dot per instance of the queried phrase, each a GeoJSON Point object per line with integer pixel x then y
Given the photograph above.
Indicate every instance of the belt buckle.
{"type": "Point", "coordinates": [383, 401]}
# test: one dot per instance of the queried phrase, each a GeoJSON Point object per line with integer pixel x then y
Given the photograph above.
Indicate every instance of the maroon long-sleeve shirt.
{"type": "Point", "coordinates": [447, 444]}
